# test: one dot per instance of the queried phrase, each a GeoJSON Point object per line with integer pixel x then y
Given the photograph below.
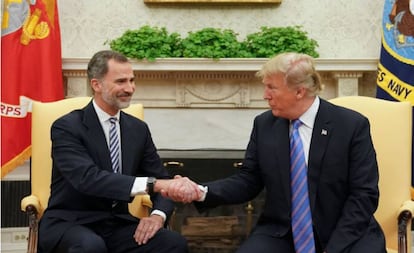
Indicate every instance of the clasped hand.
{"type": "Point", "coordinates": [182, 189]}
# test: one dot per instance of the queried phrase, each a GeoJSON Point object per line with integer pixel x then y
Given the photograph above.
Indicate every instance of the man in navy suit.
{"type": "Point", "coordinates": [87, 209]}
{"type": "Point", "coordinates": [341, 167]}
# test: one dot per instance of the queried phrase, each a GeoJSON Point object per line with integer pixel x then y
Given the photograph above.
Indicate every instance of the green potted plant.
{"type": "Point", "coordinates": [273, 40]}
{"type": "Point", "coordinates": [213, 43]}
{"type": "Point", "coordinates": [148, 43]}
{"type": "Point", "coordinates": [153, 42]}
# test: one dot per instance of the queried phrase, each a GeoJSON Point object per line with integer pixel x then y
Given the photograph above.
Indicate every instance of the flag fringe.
{"type": "Point", "coordinates": [16, 161]}
{"type": "Point", "coordinates": [412, 193]}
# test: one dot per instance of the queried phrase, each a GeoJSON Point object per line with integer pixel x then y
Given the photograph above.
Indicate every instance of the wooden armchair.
{"type": "Point", "coordinates": [391, 129]}
{"type": "Point", "coordinates": [43, 115]}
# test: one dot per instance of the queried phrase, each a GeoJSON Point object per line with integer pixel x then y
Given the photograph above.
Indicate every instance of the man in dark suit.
{"type": "Point", "coordinates": [87, 209]}
{"type": "Point", "coordinates": [339, 161]}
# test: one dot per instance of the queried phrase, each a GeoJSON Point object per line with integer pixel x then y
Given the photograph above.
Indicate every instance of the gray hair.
{"type": "Point", "coordinates": [98, 65]}
{"type": "Point", "coordinates": [298, 69]}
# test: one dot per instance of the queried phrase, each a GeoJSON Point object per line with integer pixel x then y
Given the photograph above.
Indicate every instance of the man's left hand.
{"type": "Point", "coordinates": [147, 228]}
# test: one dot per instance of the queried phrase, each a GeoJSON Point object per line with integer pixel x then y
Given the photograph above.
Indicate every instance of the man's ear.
{"type": "Point", "coordinates": [95, 85]}
{"type": "Point", "coordinates": [300, 92]}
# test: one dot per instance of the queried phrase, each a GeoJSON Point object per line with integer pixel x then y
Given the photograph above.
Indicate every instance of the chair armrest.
{"type": "Point", "coordinates": [28, 201]}
{"type": "Point", "coordinates": [404, 219]}
{"type": "Point", "coordinates": [407, 206]}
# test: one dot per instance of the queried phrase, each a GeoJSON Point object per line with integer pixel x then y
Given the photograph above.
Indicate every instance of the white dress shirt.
{"type": "Point", "coordinates": [140, 183]}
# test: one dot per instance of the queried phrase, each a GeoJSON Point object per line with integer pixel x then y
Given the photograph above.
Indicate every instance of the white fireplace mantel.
{"type": "Point", "coordinates": [227, 64]}
{"type": "Point", "coordinates": [206, 104]}
{"type": "Point", "coordinates": [223, 83]}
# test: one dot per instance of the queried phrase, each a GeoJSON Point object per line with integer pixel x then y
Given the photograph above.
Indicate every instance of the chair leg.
{"type": "Point", "coordinates": [33, 229]}
{"type": "Point", "coordinates": [403, 220]}
{"type": "Point", "coordinates": [249, 219]}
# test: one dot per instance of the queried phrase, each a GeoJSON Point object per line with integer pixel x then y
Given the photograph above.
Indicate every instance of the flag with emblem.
{"type": "Point", "coordinates": [31, 70]}
{"type": "Point", "coordinates": [395, 80]}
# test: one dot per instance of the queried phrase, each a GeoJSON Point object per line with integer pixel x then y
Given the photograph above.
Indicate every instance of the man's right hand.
{"type": "Point", "coordinates": [179, 189]}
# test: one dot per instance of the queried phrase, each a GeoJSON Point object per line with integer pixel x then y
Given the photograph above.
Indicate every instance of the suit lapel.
{"type": "Point", "coordinates": [281, 129]}
{"type": "Point", "coordinates": [127, 151]}
{"type": "Point", "coordinates": [322, 130]}
{"type": "Point", "coordinates": [96, 135]}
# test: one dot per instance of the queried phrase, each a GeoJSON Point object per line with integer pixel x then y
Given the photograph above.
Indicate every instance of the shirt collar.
{"type": "Point", "coordinates": [308, 118]}
{"type": "Point", "coordinates": [102, 115]}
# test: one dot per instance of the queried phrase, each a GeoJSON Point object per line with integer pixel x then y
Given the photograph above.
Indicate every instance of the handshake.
{"type": "Point", "coordinates": [180, 189]}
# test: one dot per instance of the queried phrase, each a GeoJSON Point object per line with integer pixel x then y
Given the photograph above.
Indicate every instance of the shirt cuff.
{"type": "Point", "coordinates": [204, 189]}
{"type": "Point", "coordinates": [160, 213]}
{"type": "Point", "coordinates": [139, 187]}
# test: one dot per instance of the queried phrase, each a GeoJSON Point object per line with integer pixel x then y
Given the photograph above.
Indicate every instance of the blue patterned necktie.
{"type": "Point", "coordinates": [301, 214]}
{"type": "Point", "coordinates": [114, 144]}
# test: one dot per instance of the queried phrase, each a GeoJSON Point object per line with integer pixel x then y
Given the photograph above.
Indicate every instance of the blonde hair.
{"type": "Point", "coordinates": [298, 69]}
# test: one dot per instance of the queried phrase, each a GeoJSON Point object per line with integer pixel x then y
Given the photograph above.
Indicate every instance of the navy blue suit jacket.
{"type": "Point", "coordinates": [342, 176]}
{"type": "Point", "coordinates": [83, 185]}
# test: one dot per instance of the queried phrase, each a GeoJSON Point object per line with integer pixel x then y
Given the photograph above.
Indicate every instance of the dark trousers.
{"type": "Point", "coordinates": [263, 243]}
{"type": "Point", "coordinates": [373, 242]}
{"type": "Point", "coordinates": [116, 236]}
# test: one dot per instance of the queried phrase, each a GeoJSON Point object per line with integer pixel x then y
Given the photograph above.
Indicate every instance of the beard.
{"type": "Point", "coordinates": [116, 101]}
{"type": "Point", "coordinates": [123, 104]}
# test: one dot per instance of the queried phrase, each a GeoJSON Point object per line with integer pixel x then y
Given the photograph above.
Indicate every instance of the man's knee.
{"type": "Point", "coordinates": [171, 242]}
{"type": "Point", "coordinates": [88, 245]}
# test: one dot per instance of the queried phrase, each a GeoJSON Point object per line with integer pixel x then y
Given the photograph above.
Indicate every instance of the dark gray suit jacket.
{"type": "Point", "coordinates": [83, 184]}
{"type": "Point", "coordinates": [342, 175]}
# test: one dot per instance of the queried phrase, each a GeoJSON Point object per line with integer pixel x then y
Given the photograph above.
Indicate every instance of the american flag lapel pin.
{"type": "Point", "coordinates": [324, 132]}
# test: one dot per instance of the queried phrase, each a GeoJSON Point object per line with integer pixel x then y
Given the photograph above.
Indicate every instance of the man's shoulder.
{"type": "Point", "coordinates": [340, 111]}
{"type": "Point", "coordinates": [265, 115]}
{"type": "Point", "coordinates": [72, 116]}
{"type": "Point", "coordinates": [131, 118]}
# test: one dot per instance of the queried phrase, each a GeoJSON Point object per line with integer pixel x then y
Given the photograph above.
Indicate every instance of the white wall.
{"type": "Point", "coordinates": [344, 28]}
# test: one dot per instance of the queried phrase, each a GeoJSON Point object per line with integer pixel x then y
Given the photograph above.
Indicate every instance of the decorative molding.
{"type": "Point", "coordinates": [74, 72]}
{"type": "Point", "coordinates": [207, 92]}
{"type": "Point", "coordinates": [153, 75]}
{"type": "Point", "coordinates": [226, 64]}
{"type": "Point", "coordinates": [224, 83]}
{"type": "Point", "coordinates": [352, 75]}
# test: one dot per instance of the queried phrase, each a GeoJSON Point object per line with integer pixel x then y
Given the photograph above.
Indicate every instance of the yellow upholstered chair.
{"type": "Point", "coordinates": [391, 129]}
{"type": "Point", "coordinates": [43, 115]}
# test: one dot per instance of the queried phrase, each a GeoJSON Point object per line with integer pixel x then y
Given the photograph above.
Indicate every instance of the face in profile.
{"type": "Point", "coordinates": [280, 97]}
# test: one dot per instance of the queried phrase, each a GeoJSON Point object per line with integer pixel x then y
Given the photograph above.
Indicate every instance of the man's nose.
{"type": "Point", "coordinates": [130, 86]}
{"type": "Point", "coordinates": [266, 94]}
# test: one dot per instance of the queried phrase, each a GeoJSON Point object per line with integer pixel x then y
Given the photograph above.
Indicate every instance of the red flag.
{"type": "Point", "coordinates": [31, 69]}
